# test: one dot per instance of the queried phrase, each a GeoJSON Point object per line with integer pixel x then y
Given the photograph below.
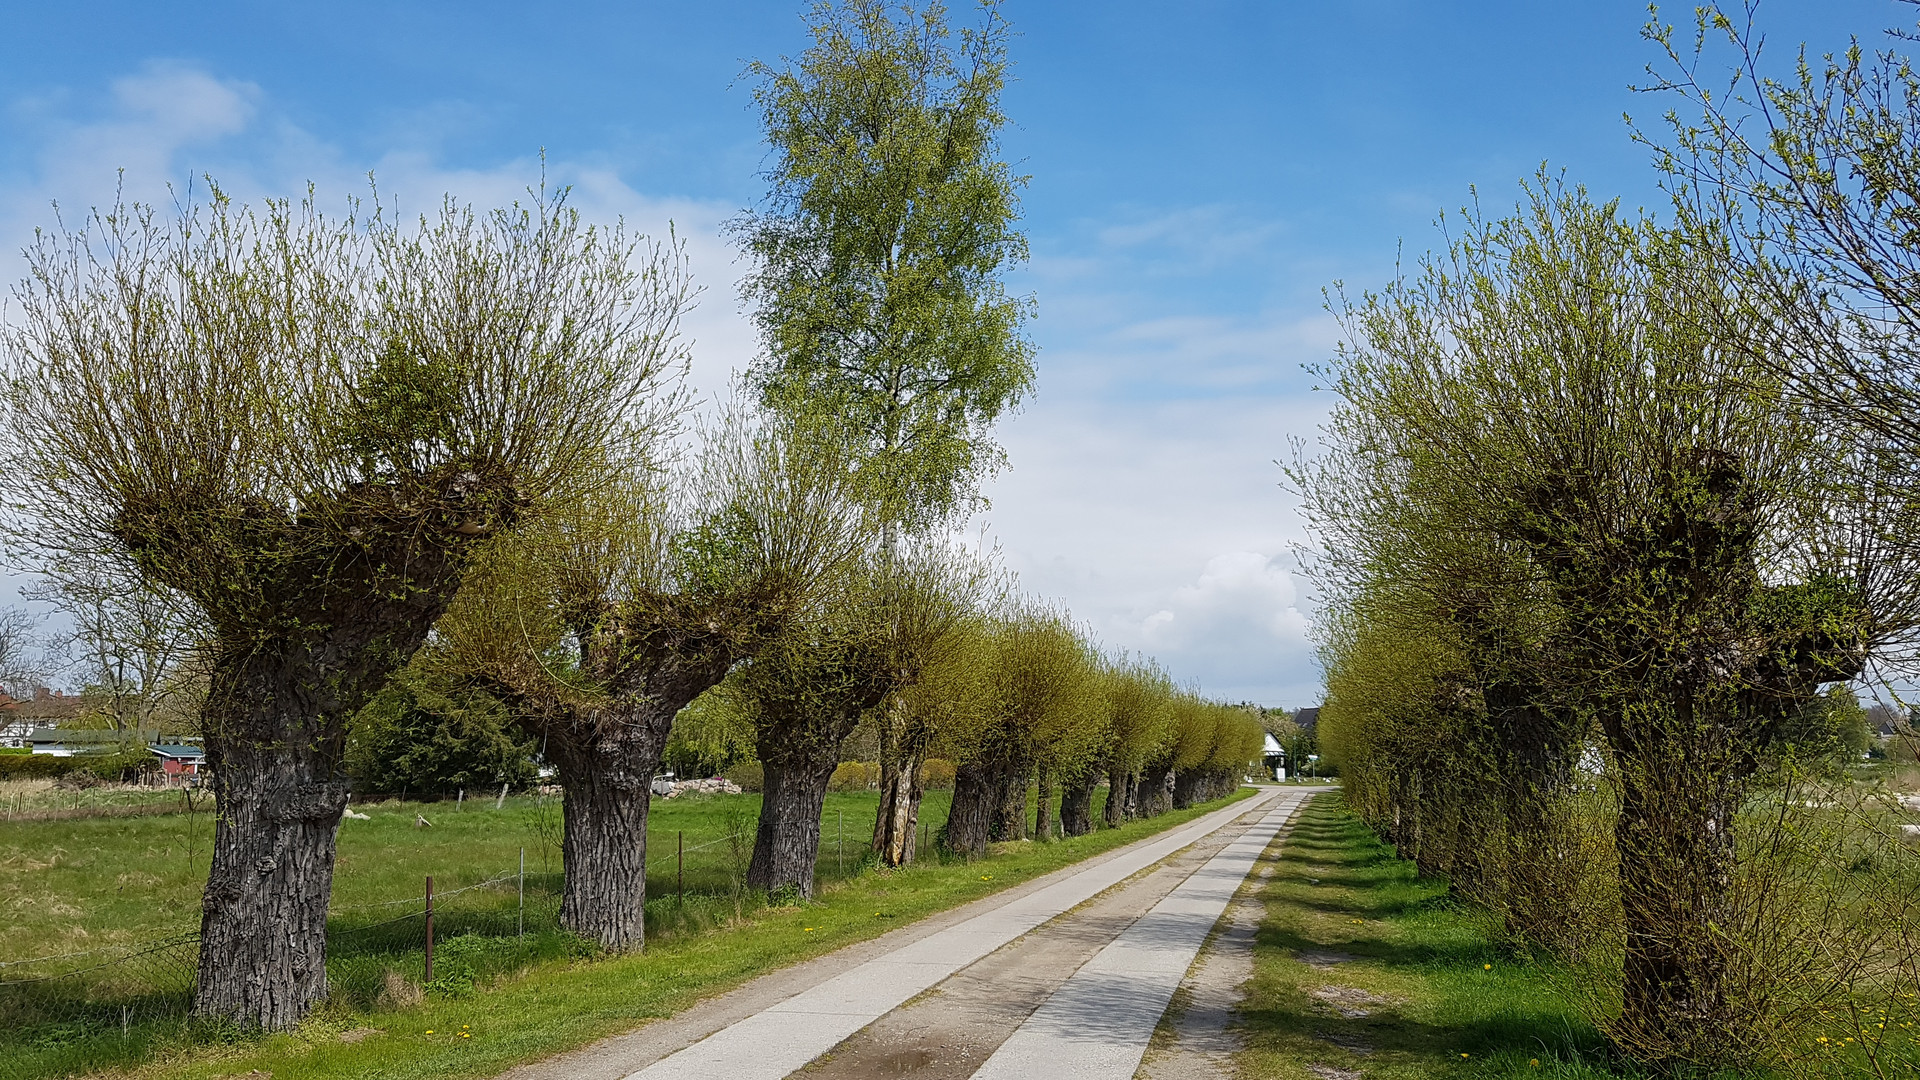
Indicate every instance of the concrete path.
{"type": "Point", "coordinates": [784, 1038]}
{"type": "Point", "coordinates": [1097, 1026]}
{"type": "Point", "coordinates": [775, 1025]}
{"type": "Point", "coordinates": [950, 1031]}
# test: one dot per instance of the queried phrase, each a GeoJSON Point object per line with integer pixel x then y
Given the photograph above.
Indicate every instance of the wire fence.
{"type": "Point", "coordinates": [84, 1009]}
{"type": "Point", "coordinates": [80, 1010]}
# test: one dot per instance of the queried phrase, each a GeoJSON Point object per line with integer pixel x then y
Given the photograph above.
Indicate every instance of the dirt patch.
{"type": "Point", "coordinates": [1349, 1001]}
{"type": "Point", "coordinates": [355, 1035]}
{"type": "Point", "coordinates": [1328, 1072]}
{"type": "Point", "coordinates": [1324, 958]}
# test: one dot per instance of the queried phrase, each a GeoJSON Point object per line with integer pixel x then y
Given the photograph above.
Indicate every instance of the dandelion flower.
{"type": "Point", "coordinates": [429, 1031]}
{"type": "Point", "coordinates": [1535, 1062]}
{"type": "Point", "coordinates": [1489, 967]}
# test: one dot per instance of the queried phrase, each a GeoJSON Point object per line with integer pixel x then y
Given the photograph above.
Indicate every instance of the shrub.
{"type": "Point", "coordinates": [937, 773]}
{"type": "Point", "coordinates": [854, 776]}
{"type": "Point", "coordinates": [116, 768]}
{"type": "Point", "coordinates": [748, 775]}
{"type": "Point", "coordinates": [33, 767]}
{"type": "Point", "coordinates": [414, 736]}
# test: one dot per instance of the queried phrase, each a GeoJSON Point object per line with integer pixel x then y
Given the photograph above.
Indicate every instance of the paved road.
{"type": "Point", "coordinates": [1063, 977]}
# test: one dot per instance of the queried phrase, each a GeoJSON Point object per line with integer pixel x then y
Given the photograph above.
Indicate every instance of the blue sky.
{"type": "Point", "coordinates": [1200, 172]}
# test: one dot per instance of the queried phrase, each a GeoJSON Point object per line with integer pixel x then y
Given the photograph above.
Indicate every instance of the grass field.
{"type": "Point", "coordinates": [76, 885]}
{"type": "Point", "coordinates": [497, 998]}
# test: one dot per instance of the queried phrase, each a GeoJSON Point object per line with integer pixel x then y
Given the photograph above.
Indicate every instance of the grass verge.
{"type": "Point", "coordinates": [558, 1003]}
{"type": "Point", "coordinates": [1361, 970]}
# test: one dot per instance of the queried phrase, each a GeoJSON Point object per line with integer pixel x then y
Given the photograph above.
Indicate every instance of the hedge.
{"type": "Point", "coordinates": [110, 767]}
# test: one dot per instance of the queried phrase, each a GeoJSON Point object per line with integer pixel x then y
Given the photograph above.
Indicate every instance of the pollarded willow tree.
{"type": "Point", "coordinates": [597, 627]}
{"type": "Point", "coordinates": [305, 426]}
{"type": "Point", "coordinates": [874, 635]}
{"type": "Point", "coordinates": [943, 706]}
{"type": "Point", "coordinates": [1463, 620]}
{"type": "Point", "coordinates": [1140, 703]}
{"type": "Point", "coordinates": [879, 256]}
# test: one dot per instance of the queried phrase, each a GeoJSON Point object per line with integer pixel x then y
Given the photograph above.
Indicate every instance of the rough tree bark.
{"type": "Point", "coordinates": [1043, 813]}
{"type": "Point", "coordinates": [1153, 796]}
{"type": "Point", "coordinates": [1076, 806]}
{"type": "Point", "coordinates": [970, 820]}
{"type": "Point", "coordinates": [1189, 787]}
{"type": "Point", "coordinates": [1121, 788]}
{"type": "Point", "coordinates": [786, 847]}
{"type": "Point", "coordinates": [1010, 804]}
{"type": "Point", "coordinates": [607, 776]}
{"type": "Point", "coordinates": [263, 925]}
{"type": "Point", "coordinates": [902, 786]}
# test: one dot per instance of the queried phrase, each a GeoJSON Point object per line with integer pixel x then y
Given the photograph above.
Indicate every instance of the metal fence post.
{"type": "Point", "coordinates": [429, 975]}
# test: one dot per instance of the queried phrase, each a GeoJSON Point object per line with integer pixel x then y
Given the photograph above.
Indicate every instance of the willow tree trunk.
{"type": "Point", "coordinates": [1677, 863]}
{"type": "Point", "coordinates": [1043, 813]}
{"type": "Point", "coordinates": [786, 847]}
{"type": "Point", "coordinates": [975, 799]}
{"type": "Point", "coordinates": [275, 720]}
{"type": "Point", "coordinates": [263, 922]}
{"type": "Point", "coordinates": [1152, 798]}
{"type": "Point", "coordinates": [1120, 796]}
{"type": "Point", "coordinates": [608, 781]}
{"type": "Point", "coordinates": [1189, 787]}
{"type": "Point", "coordinates": [1010, 804]}
{"type": "Point", "coordinates": [902, 785]}
{"type": "Point", "coordinates": [1076, 806]}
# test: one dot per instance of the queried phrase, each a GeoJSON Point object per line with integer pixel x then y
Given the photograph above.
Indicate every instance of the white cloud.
{"type": "Point", "coordinates": [1241, 594]}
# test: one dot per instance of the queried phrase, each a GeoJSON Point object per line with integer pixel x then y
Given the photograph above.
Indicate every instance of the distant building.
{"type": "Point", "coordinates": [1274, 757]}
{"type": "Point", "coordinates": [179, 759]}
{"type": "Point", "coordinates": [1308, 719]}
{"type": "Point", "coordinates": [13, 729]}
{"type": "Point", "coordinates": [47, 708]}
{"type": "Point", "coordinates": [69, 742]}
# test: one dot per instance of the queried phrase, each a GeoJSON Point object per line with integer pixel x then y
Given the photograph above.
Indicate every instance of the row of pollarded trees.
{"type": "Point", "coordinates": [313, 437]}
{"type": "Point", "coordinates": [1045, 709]}
{"type": "Point", "coordinates": [925, 649]}
{"type": "Point", "coordinates": [1604, 504]}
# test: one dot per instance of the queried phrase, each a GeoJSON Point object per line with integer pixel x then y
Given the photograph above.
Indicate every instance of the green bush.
{"type": "Point", "coordinates": [936, 773]}
{"type": "Point", "coordinates": [417, 738]}
{"type": "Point", "coordinates": [115, 768]}
{"type": "Point", "coordinates": [854, 776]}
{"type": "Point", "coordinates": [748, 775]}
{"type": "Point", "coordinates": [33, 767]}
